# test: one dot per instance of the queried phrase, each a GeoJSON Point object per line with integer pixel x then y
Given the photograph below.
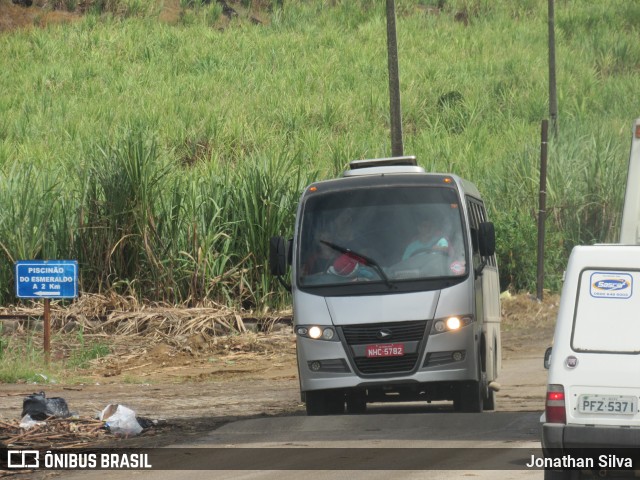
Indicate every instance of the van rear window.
{"type": "Point", "coordinates": [607, 314]}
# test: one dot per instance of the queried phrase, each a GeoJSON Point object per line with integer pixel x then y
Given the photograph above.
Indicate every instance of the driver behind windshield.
{"type": "Point", "coordinates": [430, 238]}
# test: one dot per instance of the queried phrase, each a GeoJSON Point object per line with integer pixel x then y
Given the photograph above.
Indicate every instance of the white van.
{"type": "Point", "coordinates": [594, 364]}
{"type": "Point", "coordinates": [381, 313]}
{"type": "Point", "coordinates": [630, 225]}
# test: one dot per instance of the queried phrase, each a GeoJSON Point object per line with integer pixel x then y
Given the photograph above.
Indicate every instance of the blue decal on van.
{"type": "Point", "coordinates": [611, 285]}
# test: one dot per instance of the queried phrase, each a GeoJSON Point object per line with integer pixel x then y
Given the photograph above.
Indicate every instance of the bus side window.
{"type": "Point", "coordinates": [474, 222]}
{"type": "Point", "coordinates": [474, 240]}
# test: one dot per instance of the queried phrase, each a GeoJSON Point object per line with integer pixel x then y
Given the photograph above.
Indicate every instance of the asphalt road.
{"type": "Point", "coordinates": [393, 441]}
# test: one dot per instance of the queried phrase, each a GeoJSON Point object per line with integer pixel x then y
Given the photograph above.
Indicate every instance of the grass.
{"type": "Point", "coordinates": [22, 358]}
{"type": "Point", "coordinates": [83, 353]}
{"type": "Point", "coordinates": [21, 361]}
{"type": "Point", "coordinates": [163, 156]}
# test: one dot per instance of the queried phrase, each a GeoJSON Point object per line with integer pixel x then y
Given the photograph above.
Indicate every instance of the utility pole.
{"type": "Point", "coordinates": [542, 207]}
{"type": "Point", "coordinates": [553, 97]}
{"type": "Point", "coordinates": [397, 149]}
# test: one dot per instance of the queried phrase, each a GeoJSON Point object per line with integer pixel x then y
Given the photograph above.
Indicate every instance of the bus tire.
{"type": "Point", "coordinates": [489, 401]}
{"type": "Point", "coordinates": [469, 397]}
{"type": "Point", "coordinates": [488, 394]}
{"type": "Point", "coordinates": [324, 403]}
{"type": "Point", "coordinates": [356, 403]}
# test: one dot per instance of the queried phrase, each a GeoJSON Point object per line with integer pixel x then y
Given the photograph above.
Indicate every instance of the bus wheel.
{"type": "Point", "coordinates": [489, 401]}
{"type": "Point", "coordinates": [324, 402]}
{"type": "Point", "coordinates": [469, 397]}
{"type": "Point", "coordinates": [356, 403]}
{"type": "Point", "coordinates": [488, 396]}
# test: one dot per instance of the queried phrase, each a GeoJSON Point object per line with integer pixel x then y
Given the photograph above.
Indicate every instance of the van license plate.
{"type": "Point", "coordinates": [617, 405]}
{"type": "Point", "coordinates": [385, 350]}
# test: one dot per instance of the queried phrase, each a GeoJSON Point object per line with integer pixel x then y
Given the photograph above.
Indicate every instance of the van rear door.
{"type": "Point", "coordinates": [630, 227]}
{"type": "Point", "coordinates": [602, 386]}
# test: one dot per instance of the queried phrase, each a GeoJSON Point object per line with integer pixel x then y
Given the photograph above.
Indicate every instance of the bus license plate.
{"type": "Point", "coordinates": [385, 350]}
{"type": "Point", "coordinates": [611, 404]}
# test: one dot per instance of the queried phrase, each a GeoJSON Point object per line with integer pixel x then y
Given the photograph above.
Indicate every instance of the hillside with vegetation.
{"type": "Point", "coordinates": [163, 145]}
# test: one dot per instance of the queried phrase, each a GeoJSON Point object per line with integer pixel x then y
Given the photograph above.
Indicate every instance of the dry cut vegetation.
{"type": "Point", "coordinates": [58, 432]}
{"type": "Point", "coordinates": [100, 337]}
{"type": "Point", "coordinates": [118, 315]}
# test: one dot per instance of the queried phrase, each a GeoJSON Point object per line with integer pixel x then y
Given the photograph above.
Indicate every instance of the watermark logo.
{"type": "Point", "coordinates": [23, 459]}
{"type": "Point", "coordinates": [77, 460]}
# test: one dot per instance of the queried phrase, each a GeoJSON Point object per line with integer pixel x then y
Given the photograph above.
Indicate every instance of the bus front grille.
{"type": "Point", "coordinates": [410, 334]}
{"type": "Point", "coordinates": [372, 366]}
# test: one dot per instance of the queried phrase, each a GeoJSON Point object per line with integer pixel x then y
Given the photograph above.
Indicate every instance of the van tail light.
{"type": "Point", "coordinates": [554, 408]}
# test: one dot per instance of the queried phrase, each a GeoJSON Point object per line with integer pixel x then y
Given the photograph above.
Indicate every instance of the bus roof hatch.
{"type": "Point", "coordinates": [378, 166]}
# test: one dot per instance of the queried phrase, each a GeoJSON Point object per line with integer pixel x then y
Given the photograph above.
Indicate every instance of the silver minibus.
{"type": "Point", "coordinates": [395, 289]}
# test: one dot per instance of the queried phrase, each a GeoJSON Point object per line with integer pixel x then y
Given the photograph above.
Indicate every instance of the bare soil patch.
{"type": "Point", "coordinates": [189, 370]}
{"type": "Point", "coordinates": [16, 16]}
{"type": "Point", "coordinates": [527, 330]}
{"type": "Point", "coordinates": [40, 13]}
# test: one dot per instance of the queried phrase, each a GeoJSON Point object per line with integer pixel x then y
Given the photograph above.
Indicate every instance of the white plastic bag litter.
{"type": "Point", "coordinates": [27, 422]}
{"type": "Point", "coordinates": [120, 420]}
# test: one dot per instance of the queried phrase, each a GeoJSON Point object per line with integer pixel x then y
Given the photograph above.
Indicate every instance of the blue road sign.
{"type": "Point", "coordinates": [46, 278]}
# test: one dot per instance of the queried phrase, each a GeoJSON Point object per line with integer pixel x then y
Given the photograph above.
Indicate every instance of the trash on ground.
{"type": "Point", "coordinates": [146, 422]}
{"type": "Point", "coordinates": [54, 433]}
{"type": "Point", "coordinates": [38, 407]}
{"type": "Point", "coordinates": [61, 430]}
{"type": "Point", "coordinates": [120, 420]}
{"type": "Point", "coordinates": [27, 422]}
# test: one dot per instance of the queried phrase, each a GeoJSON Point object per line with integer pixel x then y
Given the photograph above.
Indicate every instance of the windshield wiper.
{"type": "Point", "coordinates": [368, 261]}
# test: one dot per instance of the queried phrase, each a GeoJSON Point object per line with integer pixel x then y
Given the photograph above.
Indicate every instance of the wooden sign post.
{"type": "Point", "coordinates": [46, 279]}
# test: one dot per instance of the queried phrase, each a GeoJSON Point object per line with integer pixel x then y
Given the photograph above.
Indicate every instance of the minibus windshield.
{"type": "Point", "coordinates": [381, 234]}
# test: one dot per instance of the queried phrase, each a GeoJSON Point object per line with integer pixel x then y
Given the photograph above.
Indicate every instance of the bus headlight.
{"type": "Point", "coordinates": [317, 332]}
{"type": "Point", "coordinates": [451, 324]}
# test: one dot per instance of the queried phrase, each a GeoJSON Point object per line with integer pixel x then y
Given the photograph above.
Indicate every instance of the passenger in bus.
{"type": "Point", "coordinates": [430, 238]}
{"type": "Point", "coordinates": [319, 260]}
{"type": "Point", "coordinates": [346, 259]}
{"type": "Point", "coordinates": [322, 257]}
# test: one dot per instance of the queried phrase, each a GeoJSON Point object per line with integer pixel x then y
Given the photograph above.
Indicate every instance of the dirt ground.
{"type": "Point", "coordinates": [195, 387]}
{"type": "Point", "coordinates": [185, 390]}
{"type": "Point", "coordinates": [13, 16]}
{"type": "Point", "coordinates": [21, 14]}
